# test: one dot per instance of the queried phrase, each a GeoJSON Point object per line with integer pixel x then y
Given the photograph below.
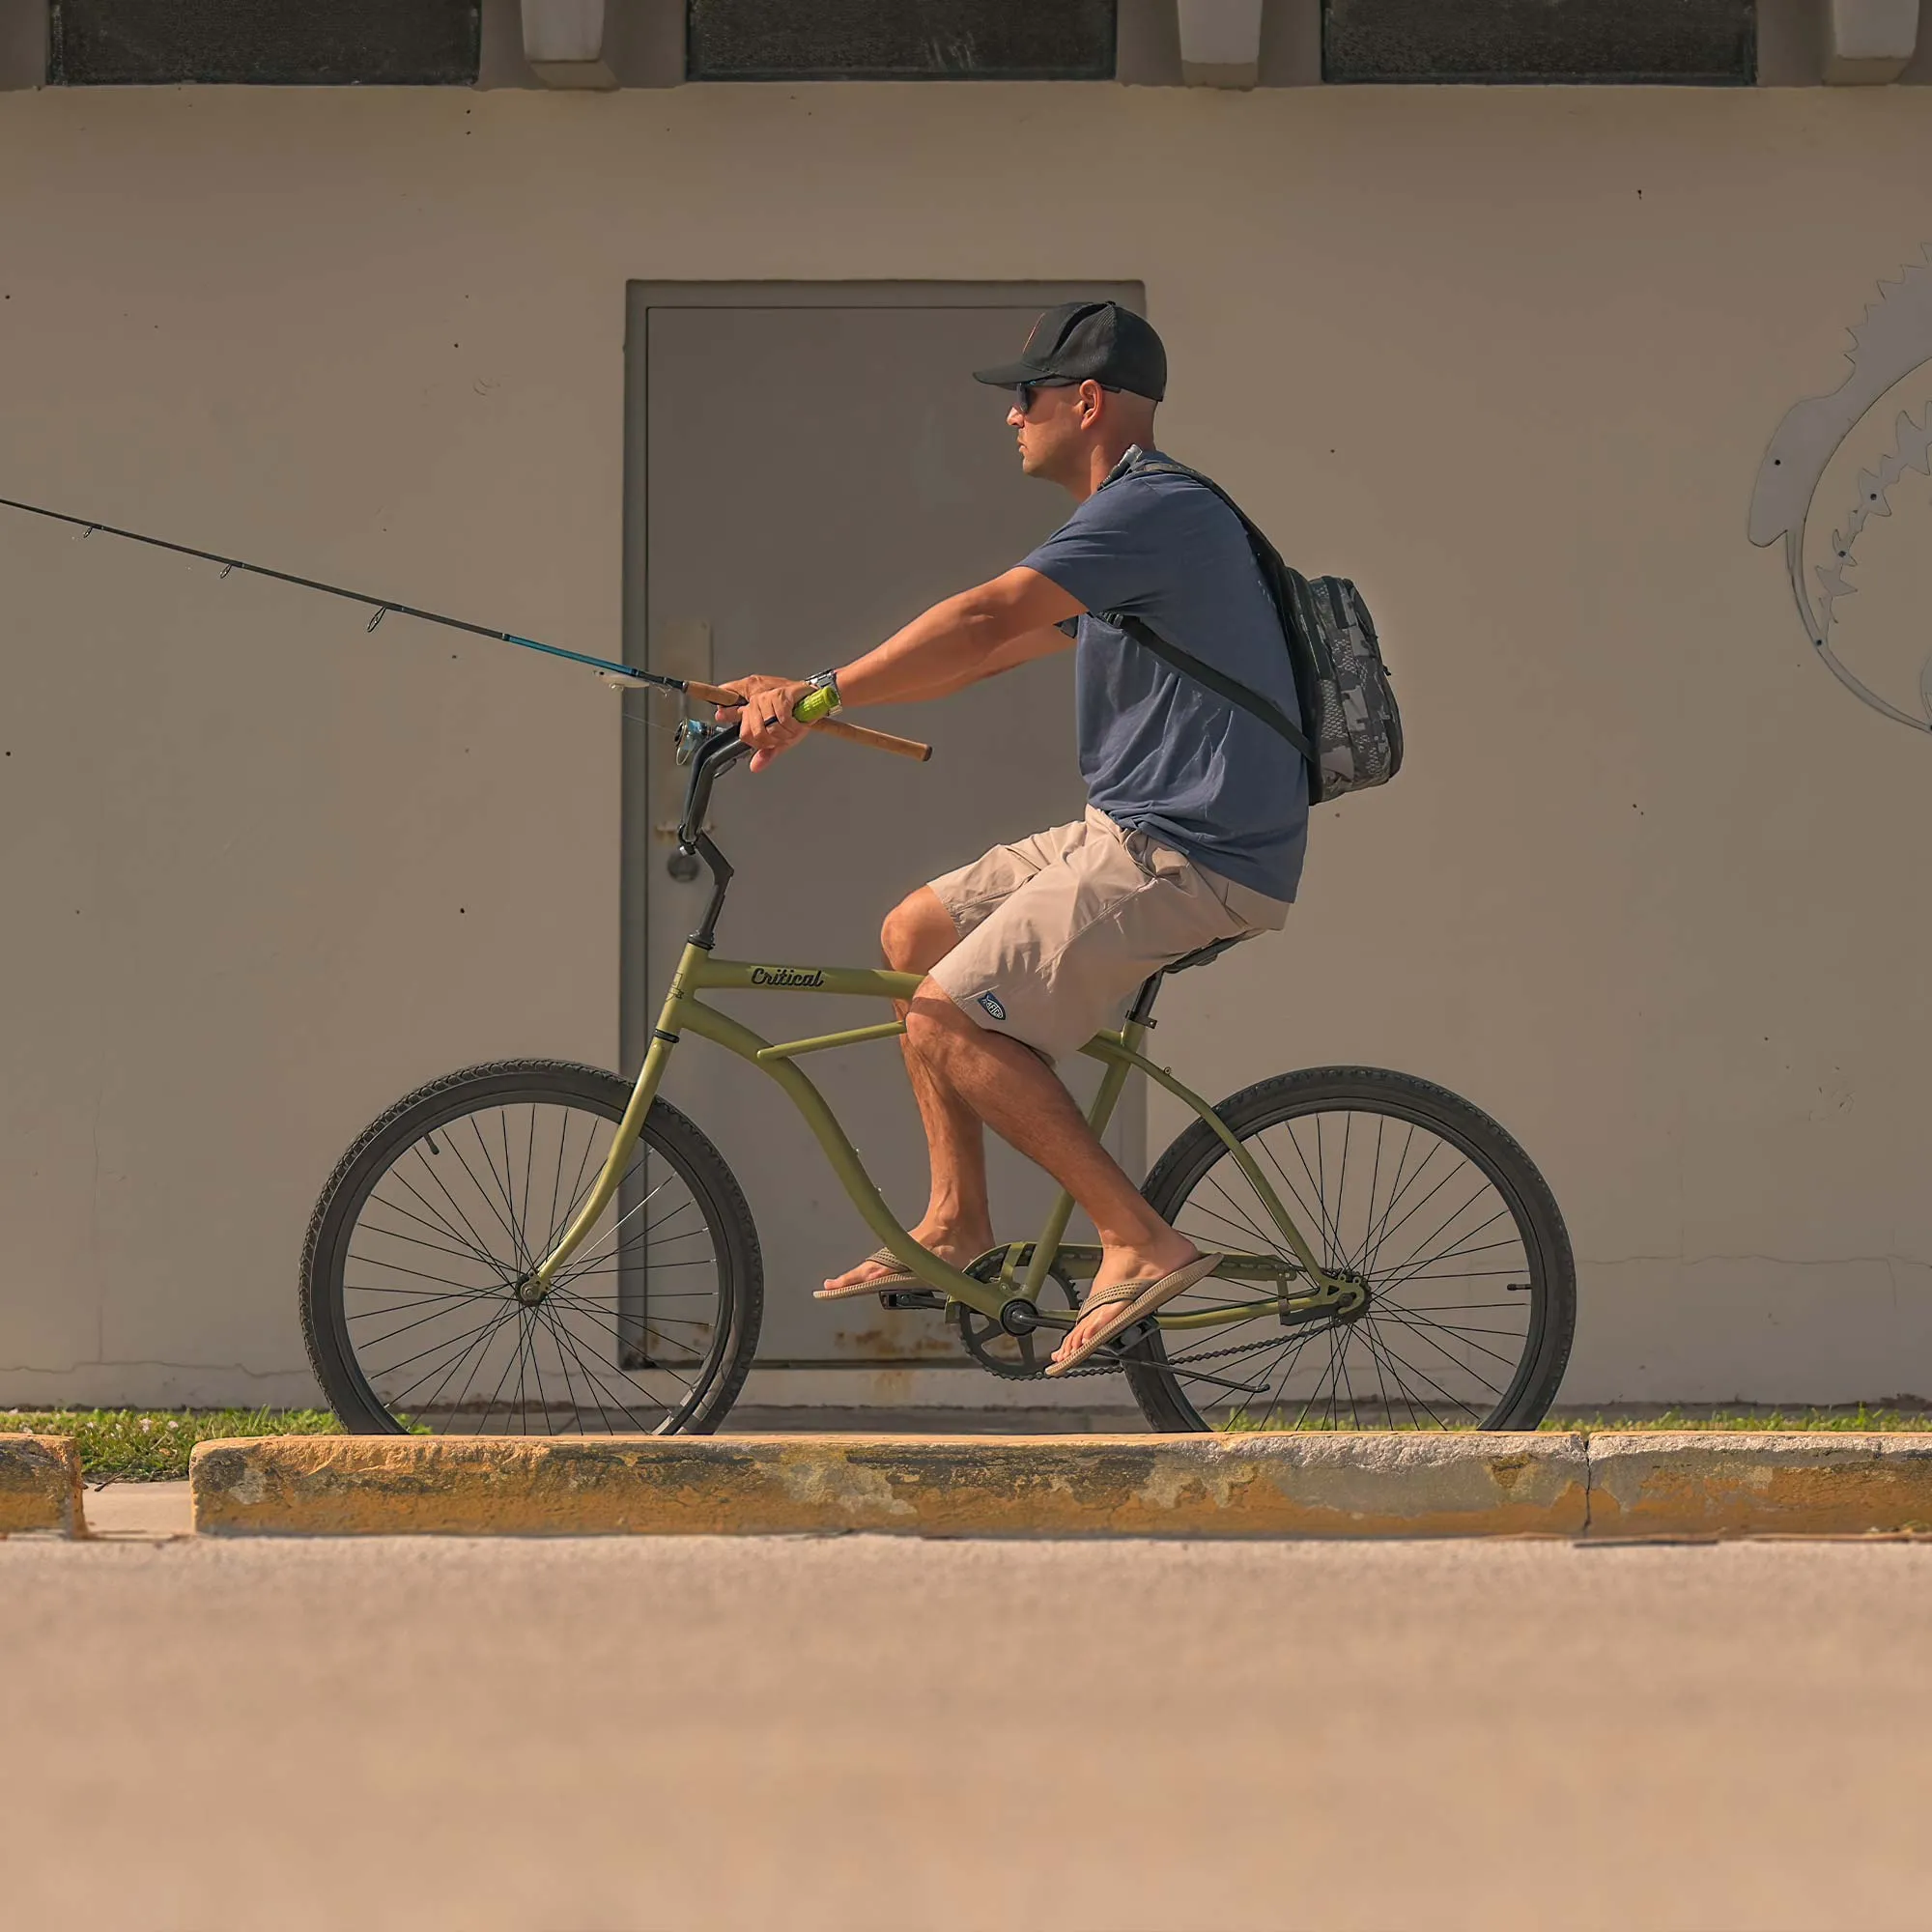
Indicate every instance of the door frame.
{"type": "Point", "coordinates": [637, 1000]}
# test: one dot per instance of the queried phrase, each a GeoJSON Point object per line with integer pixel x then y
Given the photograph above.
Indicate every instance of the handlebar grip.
{"type": "Point", "coordinates": [877, 741]}
{"type": "Point", "coordinates": [835, 727]}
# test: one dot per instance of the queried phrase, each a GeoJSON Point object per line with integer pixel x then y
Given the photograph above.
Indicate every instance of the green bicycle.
{"type": "Point", "coordinates": [537, 1248]}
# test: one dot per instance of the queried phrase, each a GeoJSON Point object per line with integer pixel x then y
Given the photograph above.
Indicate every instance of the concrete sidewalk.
{"type": "Point", "coordinates": [148, 1512]}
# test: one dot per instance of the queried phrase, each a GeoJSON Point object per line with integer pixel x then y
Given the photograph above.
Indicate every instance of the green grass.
{"type": "Point", "coordinates": [1853, 1416]}
{"type": "Point", "coordinates": [152, 1445]}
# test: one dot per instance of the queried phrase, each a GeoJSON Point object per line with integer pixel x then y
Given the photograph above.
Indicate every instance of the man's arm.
{"type": "Point", "coordinates": [976, 635]}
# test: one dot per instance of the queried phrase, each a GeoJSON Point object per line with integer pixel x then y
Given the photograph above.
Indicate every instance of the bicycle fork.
{"type": "Point", "coordinates": [624, 1141]}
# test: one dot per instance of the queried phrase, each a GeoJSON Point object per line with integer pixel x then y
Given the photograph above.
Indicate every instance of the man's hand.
{"type": "Point", "coordinates": [765, 720]}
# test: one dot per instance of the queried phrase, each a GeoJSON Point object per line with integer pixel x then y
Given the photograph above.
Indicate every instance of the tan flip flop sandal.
{"type": "Point", "coordinates": [898, 1275]}
{"type": "Point", "coordinates": [1130, 1300]}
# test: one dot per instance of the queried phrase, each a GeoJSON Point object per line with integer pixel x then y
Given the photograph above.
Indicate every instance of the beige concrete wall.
{"type": "Point", "coordinates": [1652, 889]}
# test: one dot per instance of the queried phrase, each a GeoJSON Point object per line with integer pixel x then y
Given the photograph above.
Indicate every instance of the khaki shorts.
{"type": "Point", "coordinates": [1057, 931]}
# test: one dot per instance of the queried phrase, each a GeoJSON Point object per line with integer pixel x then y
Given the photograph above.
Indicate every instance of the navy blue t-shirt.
{"type": "Point", "coordinates": [1161, 754]}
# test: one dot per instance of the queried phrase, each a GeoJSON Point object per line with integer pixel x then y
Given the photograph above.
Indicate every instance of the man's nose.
{"type": "Point", "coordinates": [1014, 420]}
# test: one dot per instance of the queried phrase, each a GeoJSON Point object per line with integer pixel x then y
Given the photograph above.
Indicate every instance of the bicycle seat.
{"type": "Point", "coordinates": [1200, 955]}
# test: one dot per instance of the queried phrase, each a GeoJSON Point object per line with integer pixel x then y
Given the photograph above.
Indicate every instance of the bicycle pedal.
{"type": "Point", "coordinates": [910, 1297]}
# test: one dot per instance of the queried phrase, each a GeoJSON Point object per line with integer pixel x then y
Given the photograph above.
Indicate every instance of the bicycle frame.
{"type": "Point", "coordinates": [1026, 1264]}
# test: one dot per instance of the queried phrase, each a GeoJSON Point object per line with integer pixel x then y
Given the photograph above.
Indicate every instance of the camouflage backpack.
{"type": "Point", "coordinates": [1340, 679]}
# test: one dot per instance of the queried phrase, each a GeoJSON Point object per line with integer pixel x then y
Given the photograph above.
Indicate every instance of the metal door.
{"type": "Point", "coordinates": [807, 466]}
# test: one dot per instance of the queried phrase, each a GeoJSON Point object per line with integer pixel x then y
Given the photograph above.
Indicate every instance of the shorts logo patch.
{"type": "Point", "coordinates": [992, 1006]}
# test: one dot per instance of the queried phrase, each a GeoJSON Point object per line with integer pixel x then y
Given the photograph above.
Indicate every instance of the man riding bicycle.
{"type": "Point", "coordinates": [1196, 823]}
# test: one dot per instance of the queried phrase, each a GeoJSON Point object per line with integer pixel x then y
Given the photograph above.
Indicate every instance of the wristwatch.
{"type": "Point", "coordinates": [827, 680]}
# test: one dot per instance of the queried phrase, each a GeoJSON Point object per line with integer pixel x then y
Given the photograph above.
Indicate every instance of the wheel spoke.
{"type": "Point", "coordinates": [596, 1382]}
{"type": "Point", "coordinates": [489, 1200]}
{"type": "Point", "coordinates": [1423, 1375]}
{"type": "Point", "coordinates": [1421, 1327]}
{"type": "Point", "coordinates": [473, 1245]}
{"type": "Point", "coordinates": [1318, 1213]}
{"type": "Point", "coordinates": [601, 1321]}
{"type": "Point", "coordinates": [1381, 1234]}
{"type": "Point", "coordinates": [464, 1252]}
{"type": "Point", "coordinates": [510, 1361]}
{"type": "Point", "coordinates": [1416, 1207]}
{"type": "Point", "coordinates": [418, 1274]}
{"type": "Point", "coordinates": [413, 1297]}
{"type": "Point", "coordinates": [442, 1187]}
{"type": "Point", "coordinates": [482, 1334]}
{"type": "Point", "coordinates": [1384, 1353]}
{"type": "Point", "coordinates": [590, 1253]}
{"type": "Point", "coordinates": [1331, 1243]}
{"type": "Point", "coordinates": [1413, 1270]}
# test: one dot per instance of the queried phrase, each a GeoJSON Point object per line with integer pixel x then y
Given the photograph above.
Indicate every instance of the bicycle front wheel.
{"type": "Point", "coordinates": [416, 1295]}
{"type": "Point", "coordinates": [1471, 1291]}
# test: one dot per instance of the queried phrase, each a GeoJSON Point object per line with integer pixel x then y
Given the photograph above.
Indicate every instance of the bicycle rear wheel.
{"type": "Point", "coordinates": [414, 1292]}
{"type": "Point", "coordinates": [1471, 1288]}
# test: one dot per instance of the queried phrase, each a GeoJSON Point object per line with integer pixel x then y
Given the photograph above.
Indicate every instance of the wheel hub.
{"type": "Point", "coordinates": [530, 1290]}
{"type": "Point", "coordinates": [1352, 1310]}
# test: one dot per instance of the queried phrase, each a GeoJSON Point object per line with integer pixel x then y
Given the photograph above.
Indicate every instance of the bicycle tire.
{"type": "Point", "coordinates": [1545, 1297]}
{"type": "Point", "coordinates": [724, 1331]}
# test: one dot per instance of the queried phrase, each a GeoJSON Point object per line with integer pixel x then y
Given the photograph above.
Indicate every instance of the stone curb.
{"type": "Point", "coordinates": [40, 1486]}
{"type": "Point", "coordinates": [1694, 1483]}
{"type": "Point", "coordinates": [1711, 1483]}
{"type": "Point", "coordinates": [1195, 1485]}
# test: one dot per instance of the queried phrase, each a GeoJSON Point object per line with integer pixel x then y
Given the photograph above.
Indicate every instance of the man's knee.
{"type": "Point", "coordinates": [917, 933]}
{"type": "Point", "coordinates": [935, 1026]}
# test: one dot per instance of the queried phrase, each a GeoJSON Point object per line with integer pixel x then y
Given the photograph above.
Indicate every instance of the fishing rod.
{"type": "Point", "coordinates": [619, 676]}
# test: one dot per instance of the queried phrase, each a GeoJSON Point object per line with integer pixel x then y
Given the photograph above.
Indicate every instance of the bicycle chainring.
{"type": "Point", "coordinates": [1013, 1358]}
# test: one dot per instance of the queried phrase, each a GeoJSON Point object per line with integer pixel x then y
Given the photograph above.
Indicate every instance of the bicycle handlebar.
{"type": "Point", "coordinates": [835, 727]}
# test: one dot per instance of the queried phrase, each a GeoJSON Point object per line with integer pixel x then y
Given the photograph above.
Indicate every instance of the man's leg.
{"type": "Point", "coordinates": [1020, 1098]}
{"type": "Point", "coordinates": [957, 1223]}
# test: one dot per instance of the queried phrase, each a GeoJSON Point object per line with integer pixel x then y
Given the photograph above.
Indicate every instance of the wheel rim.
{"type": "Point", "coordinates": [441, 1320]}
{"type": "Point", "coordinates": [1454, 1313]}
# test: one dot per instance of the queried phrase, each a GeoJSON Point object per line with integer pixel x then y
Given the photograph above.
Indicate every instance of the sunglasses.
{"type": "Point", "coordinates": [1024, 392]}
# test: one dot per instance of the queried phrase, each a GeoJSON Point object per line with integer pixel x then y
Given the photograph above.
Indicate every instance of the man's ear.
{"type": "Point", "coordinates": [1091, 403]}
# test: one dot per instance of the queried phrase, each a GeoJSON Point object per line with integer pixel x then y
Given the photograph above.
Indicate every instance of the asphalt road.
{"type": "Point", "coordinates": [866, 1733]}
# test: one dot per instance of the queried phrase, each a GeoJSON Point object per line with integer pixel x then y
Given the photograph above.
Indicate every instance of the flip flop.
{"type": "Point", "coordinates": [1130, 1300]}
{"type": "Point", "coordinates": [898, 1275]}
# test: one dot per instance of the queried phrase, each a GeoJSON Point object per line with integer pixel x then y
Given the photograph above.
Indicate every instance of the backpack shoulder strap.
{"type": "Point", "coordinates": [1259, 538]}
{"type": "Point", "coordinates": [1185, 662]}
{"type": "Point", "coordinates": [1188, 665]}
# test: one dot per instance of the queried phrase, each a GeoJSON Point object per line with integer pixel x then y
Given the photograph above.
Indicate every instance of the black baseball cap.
{"type": "Point", "coordinates": [1092, 340]}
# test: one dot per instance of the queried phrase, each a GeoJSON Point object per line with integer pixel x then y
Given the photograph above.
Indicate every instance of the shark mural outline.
{"type": "Point", "coordinates": [1892, 340]}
